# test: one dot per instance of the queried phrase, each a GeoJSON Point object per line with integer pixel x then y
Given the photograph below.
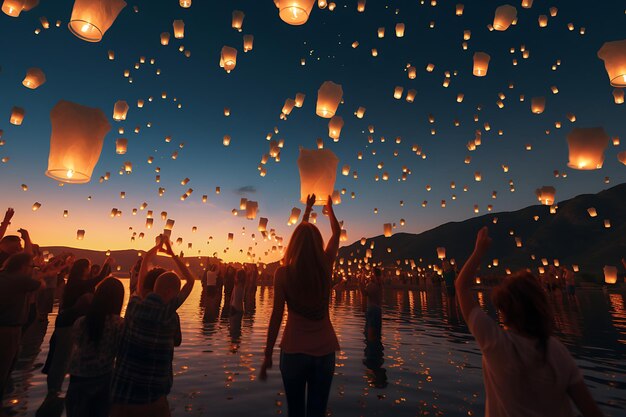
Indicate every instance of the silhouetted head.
{"type": "Point", "coordinates": [241, 277]}
{"type": "Point", "coordinates": [11, 244]}
{"type": "Point", "coordinates": [151, 277]}
{"type": "Point", "coordinates": [167, 286]}
{"type": "Point", "coordinates": [107, 300]}
{"type": "Point", "coordinates": [19, 264]}
{"type": "Point", "coordinates": [80, 270]}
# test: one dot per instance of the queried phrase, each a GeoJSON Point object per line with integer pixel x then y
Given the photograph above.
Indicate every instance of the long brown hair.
{"type": "Point", "coordinates": [308, 273]}
{"type": "Point", "coordinates": [107, 300]}
{"type": "Point", "coordinates": [525, 307]}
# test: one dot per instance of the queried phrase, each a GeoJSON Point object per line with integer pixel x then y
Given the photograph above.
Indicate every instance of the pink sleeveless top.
{"type": "Point", "coordinates": [311, 337]}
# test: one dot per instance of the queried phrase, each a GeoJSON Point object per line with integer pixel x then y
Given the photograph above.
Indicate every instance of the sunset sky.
{"type": "Point", "coordinates": [255, 92]}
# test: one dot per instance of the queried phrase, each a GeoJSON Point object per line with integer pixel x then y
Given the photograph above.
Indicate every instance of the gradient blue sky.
{"type": "Point", "coordinates": [256, 90]}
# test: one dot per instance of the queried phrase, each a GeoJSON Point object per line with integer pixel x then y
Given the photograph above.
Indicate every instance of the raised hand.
{"type": "Point", "coordinates": [483, 241]}
{"type": "Point", "coordinates": [310, 201]}
{"type": "Point", "coordinates": [328, 208]}
{"type": "Point", "coordinates": [8, 215]}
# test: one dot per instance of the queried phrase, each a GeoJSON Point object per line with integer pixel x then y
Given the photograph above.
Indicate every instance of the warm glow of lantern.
{"type": "Point", "coordinates": [295, 12]}
{"type": "Point", "coordinates": [248, 42]}
{"type": "Point", "coordinates": [387, 229]}
{"type": "Point", "coordinates": [35, 77]}
{"type": "Point", "coordinates": [237, 21]}
{"type": "Point", "coordinates": [92, 18]}
{"type": "Point", "coordinates": [329, 96]}
{"type": "Point", "coordinates": [618, 96]}
{"type": "Point", "coordinates": [165, 38]}
{"type": "Point", "coordinates": [228, 58]}
{"type": "Point", "coordinates": [481, 64]}
{"type": "Point", "coordinates": [538, 105]}
{"type": "Point", "coordinates": [400, 30]}
{"type": "Point", "coordinates": [318, 171]}
{"type": "Point", "coordinates": [546, 195]}
{"type": "Point", "coordinates": [334, 127]}
{"type": "Point", "coordinates": [610, 274]}
{"type": "Point", "coordinates": [17, 116]}
{"type": "Point", "coordinates": [614, 56]}
{"type": "Point", "coordinates": [179, 29]}
{"type": "Point", "coordinates": [121, 146]}
{"type": "Point", "coordinates": [505, 15]}
{"type": "Point", "coordinates": [586, 148]}
{"type": "Point", "coordinates": [120, 110]}
{"type": "Point", "coordinates": [441, 253]}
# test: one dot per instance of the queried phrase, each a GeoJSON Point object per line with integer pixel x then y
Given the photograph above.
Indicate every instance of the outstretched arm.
{"type": "Point", "coordinates": [183, 270]}
{"type": "Point", "coordinates": [28, 244]}
{"type": "Point", "coordinates": [275, 321]}
{"type": "Point", "coordinates": [466, 278]}
{"type": "Point", "coordinates": [333, 243]}
{"type": "Point", "coordinates": [310, 200]}
{"type": "Point", "coordinates": [6, 222]}
{"type": "Point", "coordinates": [143, 270]}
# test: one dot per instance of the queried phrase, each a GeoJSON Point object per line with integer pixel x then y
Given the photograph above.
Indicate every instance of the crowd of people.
{"type": "Point", "coordinates": [122, 366]}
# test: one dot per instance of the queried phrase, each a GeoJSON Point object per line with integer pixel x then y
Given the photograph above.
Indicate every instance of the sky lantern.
{"type": "Point", "coordinates": [226, 140]}
{"type": "Point", "coordinates": [538, 105]}
{"type": "Point", "coordinates": [179, 29]}
{"type": "Point", "coordinates": [546, 195]}
{"type": "Point", "coordinates": [334, 127]}
{"type": "Point", "coordinates": [228, 58]}
{"type": "Point", "coordinates": [35, 77]}
{"type": "Point", "coordinates": [397, 92]}
{"type": "Point", "coordinates": [592, 212]}
{"type": "Point", "coordinates": [262, 224]}
{"type": "Point", "coordinates": [542, 20]}
{"type": "Point", "coordinates": [76, 141]}
{"type": "Point", "coordinates": [360, 6]}
{"type": "Point", "coordinates": [295, 12]}
{"type": "Point", "coordinates": [318, 171]}
{"type": "Point", "coordinates": [441, 253]}
{"type": "Point", "coordinates": [622, 157]}
{"type": "Point", "coordinates": [360, 112]}
{"type": "Point", "coordinates": [165, 38]}
{"type": "Point", "coordinates": [185, 4]}
{"type": "Point", "coordinates": [92, 18]}
{"type": "Point", "coordinates": [299, 99]}
{"type": "Point", "coordinates": [400, 30]}
{"type": "Point", "coordinates": [586, 148]}
{"type": "Point", "coordinates": [481, 64]}
{"type": "Point", "coordinates": [618, 96]}
{"type": "Point", "coordinates": [294, 216]}
{"type": "Point", "coordinates": [387, 229]}
{"type": "Point", "coordinates": [17, 116]}
{"type": "Point", "coordinates": [288, 106]}
{"type": "Point", "coordinates": [80, 234]}
{"type": "Point", "coordinates": [610, 274]}
{"type": "Point", "coordinates": [614, 56]}
{"type": "Point", "coordinates": [505, 15]}
{"type": "Point", "coordinates": [237, 21]}
{"type": "Point", "coordinates": [412, 72]}
{"type": "Point", "coordinates": [248, 41]}
{"type": "Point", "coordinates": [121, 146]}
{"type": "Point", "coordinates": [527, 4]}
{"type": "Point", "coordinates": [120, 110]}
{"type": "Point", "coordinates": [329, 96]}
{"type": "Point", "coordinates": [13, 8]}
{"type": "Point", "coordinates": [410, 95]}
{"type": "Point", "coordinates": [252, 207]}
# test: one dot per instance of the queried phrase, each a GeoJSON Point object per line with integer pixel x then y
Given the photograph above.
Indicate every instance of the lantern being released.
{"type": "Point", "coordinates": [76, 141]}
{"type": "Point", "coordinates": [586, 148]}
{"type": "Point", "coordinates": [614, 56]}
{"type": "Point", "coordinates": [610, 274]}
{"type": "Point", "coordinates": [228, 58]}
{"type": "Point", "coordinates": [92, 18]}
{"type": "Point", "coordinates": [294, 12]}
{"type": "Point", "coordinates": [35, 77]}
{"type": "Point", "coordinates": [505, 15]}
{"type": "Point", "coordinates": [546, 195]}
{"type": "Point", "coordinates": [318, 170]}
{"type": "Point", "coordinates": [120, 110]}
{"type": "Point", "coordinates": [329, 96]}
{"type": "Point", "coordinates": [481, 64]}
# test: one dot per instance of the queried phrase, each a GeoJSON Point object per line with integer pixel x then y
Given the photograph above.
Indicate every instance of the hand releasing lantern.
{"type": "Point", "coordinates": [92, 18]}
{"type": "Point", "coordinates": [318, 171]}
{"type": "Point", "coordinates": [586, 148]}
{"type": "Point", "coordinates": [76, 141]}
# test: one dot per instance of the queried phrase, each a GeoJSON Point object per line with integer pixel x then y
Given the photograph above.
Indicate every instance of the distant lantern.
{"type": "Point", "coordinates": [179, 29]}
{"type": "Point", "coordinates": [360, 6]}
{"type": "Point", "coordinates": [92, 18]}
{"type": "Point", "coordinates": [262, 224]}
{"type": "Point", "coordinates": [185, 4]}
{"type": "Point", "coordinates": [618, 96]}
{"type": "Point", "coordinates": [481, 64]}
{"type": "Point", "coordinates": [441, 253]}
{"type": "Point", "coordinates": [295, 12]}
{"type": "Point", "coordinates": [76, 141]}
{"type": "Point", "coordinates": [592, 212]}
{"type": "Point", "coordinates": [120, 110]}
{"type": "Point", "coordinates": [35, 77]}
{"type": "Point", "coordinates": [334, 127]}
{"type": "Point", "coordinates": [360, 112]}
{"type": "Point", "coordinates": [121, 146]}
{"type": "Point", "coordinates": [527, 4]}
{"type": "Point", "coordinates": [412, 73]}
{"type": "Point", "coordinates": [17, 116]}
{"type": "Point", "coordinates": [546, 195]}
{"type": "Point", "coordinates": [410, 95]}
{"type": "Point", "coordinates": [505, 15]}
{"type": "Point", "coordinates": [614, 56]}
{"type": "Point", "coordinates": [248, 42]}
{"type": "Point", "coordinates": [586, 148]}
{"type": "Point", "coordinates": [299, 99]}
{"type": "Point", "coordinates": [252, 207]}
{"type": "Point", "coordinates": [400, 30]}
{"type": "Point", "coordinates": [228, 58]}
{"type": "Point", "coordinates": [397, 92]}
{"type": "Point", "coordinates": [237, 20]}
{"type": "Point", "coordinates": [459, 9]}
{"type": "Point", "coordinates": [294, 216]}
{"type": "Point", "coordinates": [165, 38]}
{"type": "Point", "coordinates": [226, 140]}
{"type": "Point", "coordinates": [318, 171]}
{"type": "Point", "coordinates": [622, 157]}
{"type": "Point", "coordinates": [538, 105]}
{"type": "Point", "coordinates": [542, 20]}
{"type": "Point", "coordinates": [80, 234]}
{"type": "Point", "coordinates": [329, 96]}
{"type": "Point", "coordinates": [387, 229]}
{"type": "Point", "coordinates": [610, 274]}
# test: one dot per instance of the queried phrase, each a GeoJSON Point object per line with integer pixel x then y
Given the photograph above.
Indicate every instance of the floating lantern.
{"type": "Point", "coordinates": [13, 8]}
{"type": "Point", "coordinates": [165, 38]}
{"type": "Point", "coordinates": [586, 148]}
{"type": "Point", "coordinates": [538, 105]}
{"type": "Point", "coordinates": [542, 20]}
{"type": "Point", "coordinates": [546, 195]}
{"type": "Point", "coordinates": [610, 274]}
{"type": "Point", "coordinates": [345, 170]}
{"type": "Point", "coordinates": [505, 15]}
{"type": "Point", "coordinates": [17, 116]}
{"type": "Point", "coordinates": [120, 110]}
{"type": "Point", "coordinates": [329, 96]}
{"type": "Point", "coordinates": [237, 21]}
{"type": "Point", "coordinates": [121, 145]}
{"type": "Point", "coordinates": [397, 92]}
{"type": "Point", "coordinates": [618, 96]}
{"type": "Point", "coordinates": [299, 100]}
{"type": "Point", "coordinates": [92, 18]}
{"type": "Point", "coordinates": [614, 56]}
{"type": "Point", "coordinates": [334, 127]}
{"type": "Point", "coordinates": [226, 140]}
{"type": "Point", "coordinates": [318, 170]}
{"type": "Point", "coordinates": [179, 29]}
{"type": "Point", "coordinates": [441, 253]}
{"type": "Point", "coordinates": [295, 12]}
{"type": "Point", "coordinates": [481, 64]}
{"type": "Point", "coordinates": [360, 6]}
{"type": "Point", "coordinates": [607, 224]}
{"type": "Point", "coordinates": [248, 41]}
{"type": "Point", "coordinates": [360, 112]}
{"type": "Point", "coordinates": [185, 4]}
{"type": "Point", "coordinates": [228, 58]}
{"type": "Point", "coordinates": [412, 73]}
{"type": "Point", "coordinates": [387, 229]}
{"type": "Point", "coordinates": [252, 207]}
{"type": "Point", "coordinates": [35, 77]}
{"type": "Point", "coordinates": [262, 224]}
{"type": "Point", "coordinates": [295, 214]}
{"type": "Point", "coordinates": [622, 157]}
{"type": "Point", "coordinates": [76, 141]}
{"type": "Point", "coordinates": [80, 234]}
{"type": "Point", "coordinates": [36, 206]}
{"type": "Point", "coordinates": [592, 212]}
{"type": "Point", "coordinates": [400, 30]}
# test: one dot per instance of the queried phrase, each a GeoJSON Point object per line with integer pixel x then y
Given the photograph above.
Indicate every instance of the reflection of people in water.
{"type": "Point", "coordinates": [373, 292]}
{"type": "Point", "coordinates": [236, 307]}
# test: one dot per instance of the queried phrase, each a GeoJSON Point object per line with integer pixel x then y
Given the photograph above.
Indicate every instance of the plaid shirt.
{"type": "Point", "coordinates": [143, 372]}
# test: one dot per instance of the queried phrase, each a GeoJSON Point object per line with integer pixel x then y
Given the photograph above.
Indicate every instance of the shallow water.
{"type": "Point", "coordinates": [431, 362]}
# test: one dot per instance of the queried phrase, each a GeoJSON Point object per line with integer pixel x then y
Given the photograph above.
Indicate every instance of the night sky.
{"type": "Point", "coordinates": [255, 92]}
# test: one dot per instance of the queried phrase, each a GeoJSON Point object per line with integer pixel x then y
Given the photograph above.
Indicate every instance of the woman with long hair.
{"type": "Point", "coordinates": [96, 338]}
{"type": "Point", "coordinates": [526, 370]}
{"type": "Point", "coordinates": [307, 359]}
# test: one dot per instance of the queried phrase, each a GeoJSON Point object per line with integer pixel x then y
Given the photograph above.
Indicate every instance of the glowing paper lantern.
{"type": "Point", "coordinates": [614, 56]}
{"type": "Point", "coordinates": [17, 116]}
{"type": "Point", "coordinates": [592, 212]}
{"type": "Point", "coordinates": [295, 12]}
{"type": "Point", "coordinates": [334, 127]}
{"type": "Point", "coordinates": [179, 29]}
{"type": "Point", "coordinates": [318, 171]}
{"type": "Point", "coordinates": [618, 96]}
{"type": "Point", "coordinates": [248, 41]}
{"type": "Point", "coordinates": [252, 207]}
{"type": "Point", "coordinates": [237, 21]}
{"type": "Point", "coordinates": [185, 4]}
{"type": "Point", "coordinates": [293, 217]}
{"type": "Point", "coordinates": [121, 145]}
{"type": "Point", "coordinates": [622, 157]}
{"type": "Point", "coordinates": [441, 253]}
{"type": "Point", "coordinates": [76, 141]}
{"type": "Point", "coordinates": [80, 234]}
{"type": "Point", "coordinates": [329, 96]}
{"type": "Point", "coordinates": [92, 18]}
{"type": "Point", "coordinates": [228, 58]}
{"type": "Point", "coordinates": [120, 110]}
{"type": "Point", "coordinates": [546, 195]}
{"type": "Point", "coordinates": [387, 229]}
{"type": "Point", "coordinates": [459, 9]}
{"type": "Point", "coordinates": [13, 8]}
{"type": "Point", "coordinates": [299, 99]}
{"type": "Point", "coordinates": [481, 64]}
{"type": "Point", "coordinates": [527, 4]}
{"type": "Point", "coordinates": [35, 77]}
{"type": "Point", "coordinates": [360, 6]}
{"type": "Point", "coordinates": [400, 30]}
{"type": "Point", "coordinates": [262, 224]}
{"type": "Point", "coordinates": [505, 15]}
{"type": "Point", "coordinates": [165, 38]}
{"type": "Point", "coordinates": [610, 274]}
{"type": "Point", "coordinates": [586, 148]}
{"type": "Point", "coordinates": [538, 105]}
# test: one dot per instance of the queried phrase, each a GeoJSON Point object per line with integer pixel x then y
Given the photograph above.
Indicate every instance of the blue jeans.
{"type": "Point", "coordinates": [311, 374]}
